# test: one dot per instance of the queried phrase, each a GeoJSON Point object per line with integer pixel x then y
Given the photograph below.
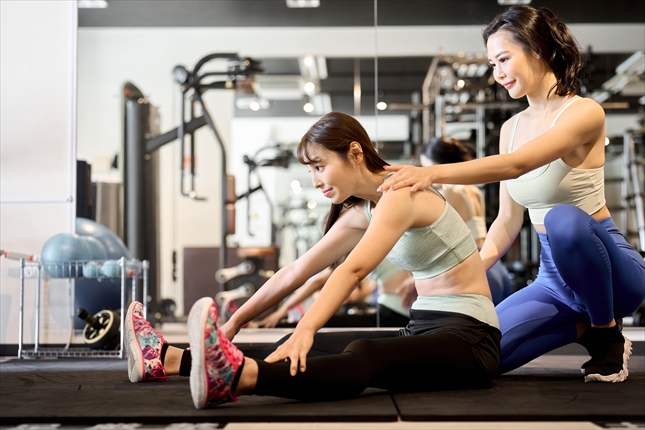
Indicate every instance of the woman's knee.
{"type": "Point", "coordinates": [566, 227]}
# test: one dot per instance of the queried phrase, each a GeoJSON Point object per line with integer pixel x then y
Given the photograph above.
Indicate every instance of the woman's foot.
{"type": "Point", "coordinates": [215, 360]}
{"type": "Point", "coordinates": [143, 347]}
{"type": "Point", "coordinates": [609, 351]}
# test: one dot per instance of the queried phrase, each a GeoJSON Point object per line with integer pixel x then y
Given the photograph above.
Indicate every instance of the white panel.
{"type": "Point", "coordinates": [37, 153]}
{"type": "Point", "coordinates": [38, 89]}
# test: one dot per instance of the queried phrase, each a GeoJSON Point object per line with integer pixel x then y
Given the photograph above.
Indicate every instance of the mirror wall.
{"type": "Point", "coordinates": [423, 61]}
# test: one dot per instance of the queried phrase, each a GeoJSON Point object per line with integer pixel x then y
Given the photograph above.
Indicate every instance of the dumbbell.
{"type": "Point", "coordinates": [224, 298]}
{"type": "Point", "coordinates": [244, 268]}
{"type": "Point", "coordinates": [102, 329]}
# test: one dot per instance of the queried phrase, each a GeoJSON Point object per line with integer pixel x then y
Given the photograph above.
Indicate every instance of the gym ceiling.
{"type": "Point", "coordinates": [398, 77]}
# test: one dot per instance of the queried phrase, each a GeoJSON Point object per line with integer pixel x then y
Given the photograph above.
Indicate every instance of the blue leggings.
{"type": "Point", "coordinates": [499, 282]}
{"type": "Point", "coordinates": [588, 273]}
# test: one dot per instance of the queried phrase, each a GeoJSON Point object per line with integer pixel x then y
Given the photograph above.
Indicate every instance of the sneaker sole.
{"type": "Point", "coordinates": [133, 351]}
{"type": "Point", "coordinates": [616, 377]}
{"type": "Point", "coordinates": [198, 380]}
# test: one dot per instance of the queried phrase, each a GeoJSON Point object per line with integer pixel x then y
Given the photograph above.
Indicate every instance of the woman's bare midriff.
{"type": "Point", "coordinates": [602, 214]}
{"type": "Point", "coordinates": [468, 277]}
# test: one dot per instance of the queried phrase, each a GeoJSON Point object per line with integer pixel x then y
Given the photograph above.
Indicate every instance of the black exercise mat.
{"type": "Point", "coordinates": [92, 391]}
{"type": "Point", "coordinates": [532, 395]}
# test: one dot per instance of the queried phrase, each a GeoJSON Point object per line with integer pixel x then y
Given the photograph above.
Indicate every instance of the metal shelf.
{"type": "Point", "coordinates": [125, 269]}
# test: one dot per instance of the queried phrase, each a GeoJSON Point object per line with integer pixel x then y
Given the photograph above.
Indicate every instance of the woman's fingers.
{"type": "Point", "coordinates": [277, 355]}
{"type": "Point", "coordinates": [400, 179]}
{"type": "Point", "coordinates": [297, 357]}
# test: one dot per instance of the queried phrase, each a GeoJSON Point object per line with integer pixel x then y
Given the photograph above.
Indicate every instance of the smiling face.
{"type": "Point", "coordinates": [332, 175]}
{"type": "Point", "coordinates": [516, 69]}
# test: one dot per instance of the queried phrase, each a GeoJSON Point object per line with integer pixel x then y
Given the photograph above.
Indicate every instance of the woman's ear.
{"type": "Point", "coordinates": [355, 151]}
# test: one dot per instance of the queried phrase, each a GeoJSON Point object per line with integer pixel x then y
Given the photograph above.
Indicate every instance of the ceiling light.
{"type": "Point", "coordinates": [252, 103]}
{"type": "Point", "coordinates": [308, 107]}
{"type": "Point", "coordinates": [309, 87]}
{"type": "Point", "coordinates": [512, 2]}
{"type": "Point", "coordinates": [313, 67]}
{"type": "Point", "coordinates": [381, 105]}
{"type": "Point", "coordinates": [303, 3]}
{"type": "Point", "coordinates": [92, 4]}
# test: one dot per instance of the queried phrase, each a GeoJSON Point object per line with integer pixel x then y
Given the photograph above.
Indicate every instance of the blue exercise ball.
{"type": "Point", "coordinates": [92, 269]}
{"type": "Point", "coordinates": [111, 269]}
{"type": "Point", "coordinates": [113, 244]}
{"type": "Point", "coordinates": [97, 249]}
{"type": "Point", "coordinates": [62, 253]}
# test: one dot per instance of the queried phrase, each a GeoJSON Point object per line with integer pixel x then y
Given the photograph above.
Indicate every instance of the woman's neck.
{"type": "Point", "coordinates": [368, 185]}
{"type": "Point", "coordinates": [544, 98]}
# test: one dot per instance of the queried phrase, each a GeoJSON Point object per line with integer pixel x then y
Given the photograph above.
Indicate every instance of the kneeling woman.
{"type": "Point", "coordinates": [453, 337]}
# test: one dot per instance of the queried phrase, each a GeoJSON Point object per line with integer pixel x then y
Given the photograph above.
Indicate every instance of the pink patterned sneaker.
{"type": "Point", "coordinates": [215, 360]}
{"type": "Point", "coordinates": [143, 345]}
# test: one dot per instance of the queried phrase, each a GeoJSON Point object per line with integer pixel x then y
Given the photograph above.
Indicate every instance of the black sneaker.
{"type": "Point", "coordinates": [609, 351]}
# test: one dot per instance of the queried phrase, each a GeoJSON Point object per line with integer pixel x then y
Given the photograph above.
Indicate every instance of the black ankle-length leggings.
{"type": "Point", "coordinates": [454, 351]}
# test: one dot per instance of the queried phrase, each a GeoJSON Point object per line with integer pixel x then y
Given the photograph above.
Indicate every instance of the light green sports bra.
{"type": "Point", "coordinates": [434, 249]}
{"type": "Point", "coordinates": [556, 184]}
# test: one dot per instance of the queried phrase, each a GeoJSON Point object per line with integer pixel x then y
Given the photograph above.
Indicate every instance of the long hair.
{"type": "Point", "coordinates": [542, 32]}
{"type": "Point", "coordinates": [335, 132]}
{"type": "Point", "coordinates": [443, 150]}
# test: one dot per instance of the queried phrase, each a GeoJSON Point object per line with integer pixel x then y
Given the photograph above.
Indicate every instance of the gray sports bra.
{"type": "Point", "coordinates": [434, 249]}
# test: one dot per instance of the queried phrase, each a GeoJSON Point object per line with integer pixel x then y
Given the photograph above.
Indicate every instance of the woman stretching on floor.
{"type": "Point", "coordinates": [452, 340]}
{"type": "Point", "coordinates": [468, 201]}
{"type": "Point", "coordinates": [551, 161]}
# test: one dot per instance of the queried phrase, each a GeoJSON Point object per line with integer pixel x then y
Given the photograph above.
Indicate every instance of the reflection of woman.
{"type": "Point", "coordinates": [551, 161]}
{"type": "Point", "coordinates": [387, 277]}
{"type": "Point", "coordinates": [452, 339]}
{"type": "Point", "coordinates": [468, 201]}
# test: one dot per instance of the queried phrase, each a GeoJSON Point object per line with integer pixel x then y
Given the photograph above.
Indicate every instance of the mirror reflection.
{"type": "Point", "coordinates": [191, 137]}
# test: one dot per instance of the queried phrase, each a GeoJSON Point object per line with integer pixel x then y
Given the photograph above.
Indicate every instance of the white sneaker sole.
{"type": "Point", "coordinates": [198, 379]}
{"type": "Point", "coordinates": [133, 351]}
{"type": "Point", "coordinates": [616, 377]}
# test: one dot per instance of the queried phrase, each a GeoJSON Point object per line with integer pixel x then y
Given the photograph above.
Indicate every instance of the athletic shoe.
{"type": "Point", "coordinates": [610, 352]}
{"type": "Point", "coordinates": [143, 347]}
{"type": "Point", "coordinates": [214, 359]}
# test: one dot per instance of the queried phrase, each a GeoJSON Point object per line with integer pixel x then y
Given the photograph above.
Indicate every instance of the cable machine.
{"type": "Point", "coordinates": [141, 144]}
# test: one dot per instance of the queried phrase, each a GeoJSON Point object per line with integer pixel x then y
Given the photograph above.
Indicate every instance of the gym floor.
{"type": "Point", "coordinates": [547, 393]}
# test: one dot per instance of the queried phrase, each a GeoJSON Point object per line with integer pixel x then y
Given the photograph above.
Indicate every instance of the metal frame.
{"type": "Point", "coordinates": [77, 352]}
{"type": "Point", "coordinates": [140, 144]}
{"type": "Point", "coordinates": [632, 193]}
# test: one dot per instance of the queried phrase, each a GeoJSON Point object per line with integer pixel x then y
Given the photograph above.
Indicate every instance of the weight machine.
{"type": "Point", "coordinates": [141, 141]}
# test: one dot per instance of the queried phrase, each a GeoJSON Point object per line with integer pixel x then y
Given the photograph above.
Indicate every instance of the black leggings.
{"type": "Point", "coordinates": [438, 350]}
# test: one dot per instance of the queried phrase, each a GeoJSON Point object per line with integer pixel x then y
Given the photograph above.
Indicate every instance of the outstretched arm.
{"type": "Point", "coordinates": [338, 241]}
{"type": "Point", "coordinates": [311, 286]}
{"type": "Point", "coordinates": [394, 214]}
{"type": "Point", "coordinates": [582, 123]}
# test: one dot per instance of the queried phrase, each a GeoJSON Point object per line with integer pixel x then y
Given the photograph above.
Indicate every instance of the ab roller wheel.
{"type": "Point", "coordinates": [101, 330]}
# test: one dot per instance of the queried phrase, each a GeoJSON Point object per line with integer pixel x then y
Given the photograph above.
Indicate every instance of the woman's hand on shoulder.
{"type": "Point", "coordinates": [418, 178]}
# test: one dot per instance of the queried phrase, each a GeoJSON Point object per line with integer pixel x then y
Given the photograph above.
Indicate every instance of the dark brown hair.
{"type": "Point", "coordinates": [335, 132]}
{"type": "Point", "coordinates": [443, 150]}
{"type": "Point", "coordinates": [542, 32]}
